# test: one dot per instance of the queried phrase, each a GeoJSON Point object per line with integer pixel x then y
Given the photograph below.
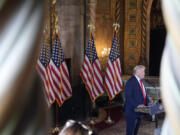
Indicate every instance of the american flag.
{"type": "Point", "coordinates": [113, 82]}
{"type": "Point", "coordinates": [43, 69]}
{"type": "Point", "coordinates": [60, 75]}
{"type": "Point", "coordinates": [91, 72]}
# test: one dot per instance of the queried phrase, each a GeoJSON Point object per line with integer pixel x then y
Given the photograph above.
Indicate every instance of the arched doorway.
{"type": "Point", "coordinates": [157, 38]}
{"type": "Point", "coordinates": [152, 36]}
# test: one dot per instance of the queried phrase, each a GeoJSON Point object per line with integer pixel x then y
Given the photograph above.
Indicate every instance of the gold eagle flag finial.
{"type": "Point", "coordinates": [116, 26]}
{"type": "Point", "coordinates": [91, 28]}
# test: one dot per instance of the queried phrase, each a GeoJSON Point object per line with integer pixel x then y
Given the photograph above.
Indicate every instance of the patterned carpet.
{"type": "Point", "coordinates": [119, 126]}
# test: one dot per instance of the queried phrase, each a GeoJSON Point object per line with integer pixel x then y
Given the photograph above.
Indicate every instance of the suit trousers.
{"type": "Point", "coordinates": [132, 124]}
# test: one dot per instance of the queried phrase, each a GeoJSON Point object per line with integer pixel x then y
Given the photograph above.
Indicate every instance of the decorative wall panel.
{"type": "Point", "coordinates": [132, 17]}
{"type": "Point", "coordinates": [132, 43]}
{"type": "Point", "coordinates": [132, 4]}
{"type": "Point", "coordinates": [132, 30]}
{"type": "Point", "coordinates": [132, 37]}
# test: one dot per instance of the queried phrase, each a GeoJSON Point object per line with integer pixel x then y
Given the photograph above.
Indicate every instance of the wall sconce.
{"type": "Point", "coordinates": [105, 52]}
{"type": "Point", "coordinates": [104, 59]}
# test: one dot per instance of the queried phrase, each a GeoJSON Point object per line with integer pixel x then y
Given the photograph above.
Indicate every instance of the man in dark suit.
{"type": "Point", "coordinates": [135, 96]}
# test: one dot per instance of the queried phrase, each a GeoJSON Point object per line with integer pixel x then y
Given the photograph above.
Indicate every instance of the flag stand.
{"type": "Point", "coordinates": [57, 118]}
{"type": "Point", "coordinates": [92, 121]}
{"type": "Point", "coordinates": [56, 130]}
{"type": "Point", "coordinates": [109, 120]}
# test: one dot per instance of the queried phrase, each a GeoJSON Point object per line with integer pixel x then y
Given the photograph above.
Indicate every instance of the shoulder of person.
{"type": "Point", "coordinates": [131, 79]}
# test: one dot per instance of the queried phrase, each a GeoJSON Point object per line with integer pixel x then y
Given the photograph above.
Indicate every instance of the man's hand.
{"type": "Point", "coordinates": [141, 105]}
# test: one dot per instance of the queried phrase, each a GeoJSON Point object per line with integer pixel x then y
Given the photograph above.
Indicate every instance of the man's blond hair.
{"type": "Point", "coordinates": [137, 68]}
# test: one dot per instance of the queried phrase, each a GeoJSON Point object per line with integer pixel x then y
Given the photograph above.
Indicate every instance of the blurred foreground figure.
{"type": "Point", "coordinates": [75, 128]}
{"type": "Point", "coordinates": [170, 73]}
{"type": "Point", "coordinates": [22, 106]}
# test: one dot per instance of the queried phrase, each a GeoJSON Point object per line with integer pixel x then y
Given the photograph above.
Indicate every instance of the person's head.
{"type": "Point", "coordinates": [139, 71]}
{"type": "Point", "coordinates": [75, 128]}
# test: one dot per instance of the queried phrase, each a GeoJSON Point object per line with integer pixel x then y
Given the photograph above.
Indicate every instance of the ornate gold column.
{"type": "Point", "coordinates": [145, 33]}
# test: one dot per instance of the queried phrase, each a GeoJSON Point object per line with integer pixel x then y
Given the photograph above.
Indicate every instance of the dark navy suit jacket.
{"type": "Point", "coordinates": [133, 97]}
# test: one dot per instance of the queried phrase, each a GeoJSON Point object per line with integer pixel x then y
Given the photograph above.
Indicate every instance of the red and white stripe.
{"type": "Point", "coordinates": [113, 82]}
{"type": "Point", "coordinates": [60, 82]}
{"type": "Point", "coordinates": [91, 75]}
{"type": "Point", "coordinates": [50, 97]}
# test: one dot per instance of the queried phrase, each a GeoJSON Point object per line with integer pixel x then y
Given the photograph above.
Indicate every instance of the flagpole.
{"type": "Point", "coordinates": [85, 24]}
{"type": "Point", "coordinates": [109, 120]}
{"type": "Point", "coordinates": [50, 20]}
{"type": "Point", "coordinates": [53, 23]}
{"type": "Point", "coordinates": [91, 27]}
{"type": "Point", "coordinates": [92, 104]}
{"type": "Point", "coordinates": [57, 118]}
{"type": "Point", "coordinates": [116, 26]}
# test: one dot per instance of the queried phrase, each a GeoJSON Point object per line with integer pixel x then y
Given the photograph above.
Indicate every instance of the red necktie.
{"type": "Point", "coordinates": [143, 91]}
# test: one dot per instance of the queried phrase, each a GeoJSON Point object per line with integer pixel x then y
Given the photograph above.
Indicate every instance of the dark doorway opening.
{"type": "Point", "coordinates": [157, 41]}
{"type": "Point", "coordinates": [157, 38]}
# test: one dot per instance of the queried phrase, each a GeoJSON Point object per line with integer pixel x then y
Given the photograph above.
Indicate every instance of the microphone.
{"type": "Point", "coordinates": [149, 82]}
